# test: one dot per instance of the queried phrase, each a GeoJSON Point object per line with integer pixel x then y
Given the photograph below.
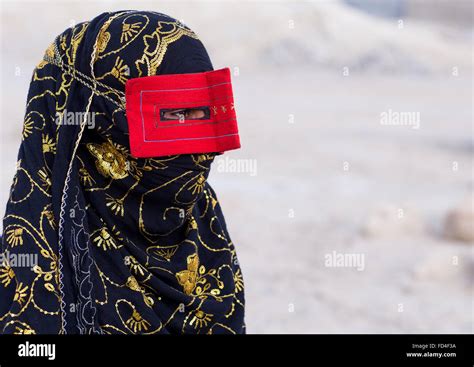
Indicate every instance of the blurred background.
{"type": "Point", "coordinates": [351, 200]}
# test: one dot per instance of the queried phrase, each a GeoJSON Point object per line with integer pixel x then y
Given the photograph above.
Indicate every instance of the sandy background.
{"type": "Point", "coordinates": [311, 81]}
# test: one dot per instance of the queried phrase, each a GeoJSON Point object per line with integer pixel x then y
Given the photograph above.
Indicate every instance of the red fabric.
{"type": "Point", "coordinates": [151, 137]}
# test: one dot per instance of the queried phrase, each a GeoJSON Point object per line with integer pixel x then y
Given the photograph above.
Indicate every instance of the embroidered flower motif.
{"type": "Point", "coordinates": [20, 293]}
{"type": "Point", "coordinates": [27, 128]}
{"type": "Point", "coordinates": [137, 323]}
{"type": "Point", "coordinates": [49, 146]}
{"type": "Point", "coordinates": [120, 70]}
{"type": "Point", "coordinates": [15, 236]}
{"type": "Point", "coordinates": [166, 253]}
{"type": "Point", "coordinates": [200, 319]}
{"type": "Point", "coordinates": [135, 266]}
{"type": "Point", "coordinates": [128, 30]}
{"type": "Point", "coordinates": [6, 274]}
{"type": "Point", "coordinates": [104, 239]}
{"type": "Point", "coordinates": [238, 281]}
{"type": "Point", "coordinates": [116, 205]}
{"type": "Point", "coordinates": [198, 186]}
{"type": "Point", "coordinates": [85, 177]}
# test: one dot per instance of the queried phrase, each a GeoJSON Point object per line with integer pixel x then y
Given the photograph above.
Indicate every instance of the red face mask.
{"type": "Point", "coordinates": [181, 114]}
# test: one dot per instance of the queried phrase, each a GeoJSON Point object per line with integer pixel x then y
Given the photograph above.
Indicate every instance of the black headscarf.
{"type": "Point", "coordinates": [119, 244]}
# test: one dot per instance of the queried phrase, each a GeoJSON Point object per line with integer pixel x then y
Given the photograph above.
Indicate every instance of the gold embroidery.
{"type": "Point", "coordinates": [200, 319]}
{"type": "Point", "coordinates": [188, 278]}
{"type": "Point", "coordinates": [135, 266]}
{"type": "Point", "coordinates": [116, 205]}
{"type": "Point", "coordinates": [49, 145]}
{"type": "Point", "coordinates": [198, 186]}
{"type": "Point", "coordinates": [45, 179]}
{"type": "Point", "coordinates": [132, 283]}
{"type": "Point", "coordinates": [50, 53]}
{"type": "Point", "coordinates": [20, 293]}
{"type": "Point", "coordinates": [103, 40]}
{"type": "Point", "coordinates": [6, 274]}
{"type": "Point", "coordinates": [167, 253]}
{"type": "Point", "coordinates": [239, 281]}
{"type": "Point", "coordinates": [24, 331]}
{"type": "Point", "coordinates": [104, 239]}
{"type": "Point", "coordinates": [50, 218]}
{"type": "Point", "coordinates": [85, 176]}
{"type": "Point", "coordinates": [137, 323]}
{"type": "Point", "coordinates": [156, 46]}
{"type": "Point", "coordinates": [120, 71]}
{"type": "Point", "coordinates": [76, 41]}
{"type": "Point", "coordinates": [110, 162]}
{"type": "Point", "coordinates": [15, 236]}
{"type": "Point", "coordinates": [128, 30]}
{"type": "Point", "coordinates": [133, 38]}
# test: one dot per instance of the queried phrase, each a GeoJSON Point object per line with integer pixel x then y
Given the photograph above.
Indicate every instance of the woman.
{"type": "Point", "coordinates": [117, 244]}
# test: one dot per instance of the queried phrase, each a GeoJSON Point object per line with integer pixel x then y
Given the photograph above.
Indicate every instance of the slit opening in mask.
{"type": "Point", "coordinates": [185, 114]}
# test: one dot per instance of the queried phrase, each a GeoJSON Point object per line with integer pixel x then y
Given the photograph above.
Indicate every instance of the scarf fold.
{"type": "Point", "coordinates": [94, 240]}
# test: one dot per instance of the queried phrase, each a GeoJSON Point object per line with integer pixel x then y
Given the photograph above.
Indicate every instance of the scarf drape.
{"type": "Point", "coordinates": [116, 244]}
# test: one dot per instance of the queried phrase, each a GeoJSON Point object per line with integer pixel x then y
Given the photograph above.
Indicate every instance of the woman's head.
{"type": "Point", "coordinates": [104, 53]}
